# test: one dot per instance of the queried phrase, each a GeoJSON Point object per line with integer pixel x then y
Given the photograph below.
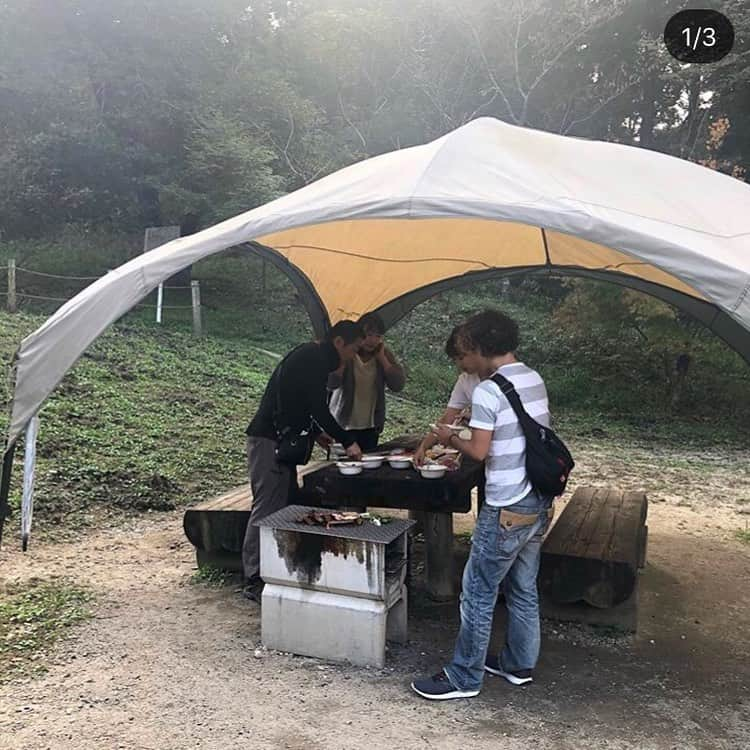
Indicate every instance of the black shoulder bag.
{"type": "Point", "coordinates": [293, 447]}
{"type": "Point", "coordinates": [548, 461]}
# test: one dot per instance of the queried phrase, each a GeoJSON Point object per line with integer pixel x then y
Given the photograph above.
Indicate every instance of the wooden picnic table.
{"type": "Point", "coordinates": [433, 501]}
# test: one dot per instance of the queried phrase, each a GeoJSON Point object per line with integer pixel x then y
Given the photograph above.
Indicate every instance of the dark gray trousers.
{"type": "Point", "coordinates": [271, 485]}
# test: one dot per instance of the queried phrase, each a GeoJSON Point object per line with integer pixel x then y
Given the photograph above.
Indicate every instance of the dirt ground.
{"type": "Point", "coordinates": [166, 664]}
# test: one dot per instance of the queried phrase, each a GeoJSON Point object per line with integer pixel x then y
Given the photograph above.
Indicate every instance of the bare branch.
{"type": "Point", "coordinates": [482, 106]}
{"type": "Point", "coordinates": [516, 67]}
{"type": "Point", "coordinates": [598, 109]}
{"type": "Point", "coordinates": [564, 48]}
{"type": "Point", "coordinates": [266, 133]}
{"type": "Point", "coordinates": [439, 108]}
{"type": "Point", "coordinates": [380, 106]}
{"type": "Point", "coordinates": [351, 124]}
{"type": "Point", "coordinates": [698, 131]}
{"type": "Point", "coordinates": [288, 143]}
{"type": "Point", "coordinates": [496, 86]}
{"type": "Point", "coordinates": [321, 170]}
{"type": "Point", "coordinates": [566, 114]}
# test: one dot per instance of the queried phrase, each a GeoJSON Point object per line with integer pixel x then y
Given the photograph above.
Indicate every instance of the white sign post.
{"type": "Point", "coordinates": [159, 302]}
{"type": "Point", "coordinates": [155, 237]}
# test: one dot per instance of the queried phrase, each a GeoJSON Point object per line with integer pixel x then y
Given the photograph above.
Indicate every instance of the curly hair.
{"type": "Point", "coordinates": [490, 332]}
{"type": "Point", "coordinates": [451, 345]}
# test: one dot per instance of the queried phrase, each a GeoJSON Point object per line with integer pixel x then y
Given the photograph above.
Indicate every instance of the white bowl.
{"type": "Point", "coordinates": [433, 471]}
{"type": "Point", "coordinates": [372, 462]}
{"type": "Point", "coordinates": [400, 462]}
{"type": "Point", "coordinates": [349, 468]}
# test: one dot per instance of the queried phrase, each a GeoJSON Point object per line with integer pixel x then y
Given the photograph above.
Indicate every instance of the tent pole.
{"type": "Point", "coordinates": [29, 464]}
{"type": "Point", "coordinates": [546, 246]}
{"type": "Point", "coordinates": [5, 485]}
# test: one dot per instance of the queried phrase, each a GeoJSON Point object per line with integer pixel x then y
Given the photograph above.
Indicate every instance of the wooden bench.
{"type": "Point", "coordinates": [216, 528]}
{"type": "Point", "coordinates": [590, 559]}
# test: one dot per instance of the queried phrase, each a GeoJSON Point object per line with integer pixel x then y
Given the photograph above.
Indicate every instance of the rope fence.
{"type": "Point", "coordinates": [14, 294]}
{"type": "Point", "coordinates": [39, 296]}
{"type": "Point", "coordinates": [164, 307]}
{"type": "Point", "coordinates": [73, 278]}
{"type": "Point", "coordinates": [57, 276]}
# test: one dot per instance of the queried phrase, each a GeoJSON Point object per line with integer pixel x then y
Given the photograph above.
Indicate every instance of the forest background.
{"type": "Point", "coordinates": [132, 113]}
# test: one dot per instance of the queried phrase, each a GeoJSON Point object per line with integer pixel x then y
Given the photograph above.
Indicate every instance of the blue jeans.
{"type": "Point", "coordinates": [511, 557]}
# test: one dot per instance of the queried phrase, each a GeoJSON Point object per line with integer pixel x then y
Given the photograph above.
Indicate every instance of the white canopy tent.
{"type": "Point", "coordinates": [486, 199]}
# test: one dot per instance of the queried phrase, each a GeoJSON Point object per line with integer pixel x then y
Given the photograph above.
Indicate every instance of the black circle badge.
{"type": "Point", "coordinates": [699, 36]}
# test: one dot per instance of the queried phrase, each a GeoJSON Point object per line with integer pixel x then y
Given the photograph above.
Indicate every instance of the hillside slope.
{"type": "Point", "coordinates": [151, 417]}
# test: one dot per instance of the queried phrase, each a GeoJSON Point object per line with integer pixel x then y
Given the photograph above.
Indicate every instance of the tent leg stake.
{"type": "Point", "coordinates": [5, 485]}
{"type": "Point", "coordinates": [29, 465]}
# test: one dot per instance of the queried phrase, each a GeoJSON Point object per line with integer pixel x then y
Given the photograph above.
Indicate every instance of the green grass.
{"type": "Point", "coordinates": [743, 535]}
{"type": "Point", "coordinates": [152, 418]}
{"type": "Point", "coordinates": [147, 420]}
{"type": "Point", "coordinates": [33, 617]}
{"type": "Point", "coordinates": [208, 575]}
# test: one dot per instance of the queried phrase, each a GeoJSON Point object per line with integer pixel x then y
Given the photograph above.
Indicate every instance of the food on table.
{"type": "Point", "coordinates": [440, 450]}
{"type": "Point", "coordinates": [448, 457]}
{"type": "Point", "coordinates": [328, 519]}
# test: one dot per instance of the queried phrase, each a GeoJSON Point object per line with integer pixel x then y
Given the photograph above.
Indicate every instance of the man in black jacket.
{"type": "Point", "coordinates": [295, 398]}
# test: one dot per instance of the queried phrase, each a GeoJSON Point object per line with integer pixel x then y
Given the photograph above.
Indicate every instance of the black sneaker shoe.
{"type": "Point", "coordinates": [254, 589]}
{"type": "Point", "coordinates": [439, 688]}
{"type": "Point", "coordinates": [521, 677]}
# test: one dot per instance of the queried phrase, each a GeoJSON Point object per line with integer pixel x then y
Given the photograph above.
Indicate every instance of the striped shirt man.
{"type": "Point", "coordinates": [505, 465]}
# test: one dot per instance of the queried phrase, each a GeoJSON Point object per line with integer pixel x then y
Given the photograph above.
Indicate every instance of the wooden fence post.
{"type": "Point", "coordinates": [195, 289]}
{"type": "Point", "coordinates": [11, 285]}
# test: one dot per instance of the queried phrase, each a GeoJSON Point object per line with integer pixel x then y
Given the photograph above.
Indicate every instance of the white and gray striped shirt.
{"type": "Point", "coordinates": [505, 466]}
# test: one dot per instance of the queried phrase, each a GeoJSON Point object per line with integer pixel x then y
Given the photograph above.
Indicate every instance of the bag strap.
{"type": "Point", "coordinates": [507, 388]}
{"type": "Point", "coordinates": [279, 370]}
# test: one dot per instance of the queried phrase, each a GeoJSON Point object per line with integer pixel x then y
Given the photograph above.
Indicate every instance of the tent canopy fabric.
{"type": "Point", "coordinates": [487, 198]}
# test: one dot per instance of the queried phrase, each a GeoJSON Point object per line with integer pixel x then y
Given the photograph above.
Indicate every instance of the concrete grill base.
{"type": "Point", "coordinates": [331, 626]}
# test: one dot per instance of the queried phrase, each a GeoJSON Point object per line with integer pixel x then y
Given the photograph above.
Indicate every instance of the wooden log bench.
{"type": "Point", "coordinates": [216, 528]}
{"type": "Point", "coordinates": [591, 557]}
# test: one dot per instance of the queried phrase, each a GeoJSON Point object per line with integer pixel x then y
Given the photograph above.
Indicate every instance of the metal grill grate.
{"type": "Point", "coordinates": [286, 520]}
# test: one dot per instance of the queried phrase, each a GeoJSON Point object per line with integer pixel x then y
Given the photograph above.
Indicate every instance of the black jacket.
{"type": "Point", "coordinates": [304, 379]}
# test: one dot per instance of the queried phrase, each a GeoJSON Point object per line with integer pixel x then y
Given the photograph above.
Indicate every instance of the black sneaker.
{"type": "Point", "coordinates": [254, 589]}
{"type": "Point", "coordinates": [439, 688]}
{"type": "Point", "coordinates": [521, 677]}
